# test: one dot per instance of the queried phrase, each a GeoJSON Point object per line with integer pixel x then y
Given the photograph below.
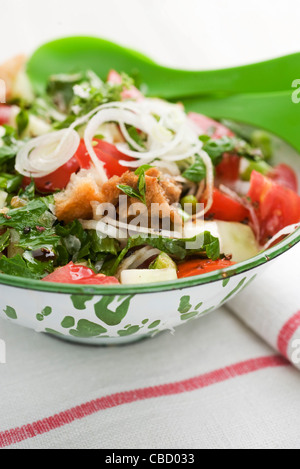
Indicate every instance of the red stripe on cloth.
{"type": "Point", "coordinates": [66, 417]}
{"type": "Point", "coordinates": [287, 332]}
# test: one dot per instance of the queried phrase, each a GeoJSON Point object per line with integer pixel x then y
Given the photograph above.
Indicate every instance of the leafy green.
{"type": "Point", "coordinates": [36, 239]}
{"type": "Point", "coordinates": [100, 244]}
{"type": "Point", "coordinates": [216, 148]}
{"type": "Point", "coordinates": [22, 121]}
{"type": "Point", "coordinates": [25, 266]}
{"type": "Point", "coordinates": [7, 153]}
{"type": "Point", "coordinates": [29, 191]}
{"type": "Point", "coordinates": [77, 243]}
{"type": "Point", "coordinates": [175, 248]}
{"type": "Point", "coordinates": [83, 92]}
{"type": "Point", "coordinates": [73, 238]}
{"type": "Point", "coordinates": [60, 89]}
{"type": "Point", "coordinates": [197, 171]}
{"type": "Point", "coordinates": [4, 240]}
{"type": "Point", "coordinates": [10, 182]}
{"type": "Point", "coordinates": [10, 146]}
{"type": "Point", "coordinates": [34, 214]}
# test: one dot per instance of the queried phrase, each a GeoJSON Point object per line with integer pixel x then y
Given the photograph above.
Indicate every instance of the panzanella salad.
{"type": "Point", "coordinates": [101, 185]}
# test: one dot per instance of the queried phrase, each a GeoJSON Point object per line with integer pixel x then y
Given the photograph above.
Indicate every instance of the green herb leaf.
{"type": "Point", "coordinates": [7, 153]}
{"type": "Point", "coordinates": [36, 239]}
{"type": "Point", "coordinates": [4, 240]}
{"type": "Point", "coordinates": [22, 121]}
{"type": "Point", "coordinates": [35, 213]}
{"type": "Point", "coordinates": [142, 169]}
{"type": "Point", "coordinates": [128, 190]}
{"type": "Point", "coordinates": [215, 148]}
{"type": "Point", "coordinates": [196, 172]}
{"type": "Point", "coordinates": [100, 244]}
{"type": "Point", "coordinates": [136, 136]}
{"type": "Point", "coordinates": [28, 267]}
{"type": "Point", "coordinates": [175, 248]}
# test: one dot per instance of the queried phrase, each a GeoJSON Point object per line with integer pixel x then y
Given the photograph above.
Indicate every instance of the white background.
{"type": "Point", "coordinates": [195, 34]}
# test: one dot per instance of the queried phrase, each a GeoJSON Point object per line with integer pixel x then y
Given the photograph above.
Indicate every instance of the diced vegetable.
{"type": "Point", "coordinates": [225, 208]}
{"type": "Point", "coordinates": [139, 276]}
{"type": "Point", "coordinates": [201, 266]}
{"type": "Point", "coordinates": [260, 166]}
{"type": "Point", "coordinates": [163, 261]}
{"type": "Point", "coordinates": [262, 140]}
{"type": "Point", "coordinates": [189, 202]}
{"type": "Point", "coordinates": [236, 240]}
{"type": "Point", "coordinates": [276, 206]}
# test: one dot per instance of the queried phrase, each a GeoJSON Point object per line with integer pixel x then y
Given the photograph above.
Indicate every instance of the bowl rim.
{"type": "Point", "coordinates": [203, 279]}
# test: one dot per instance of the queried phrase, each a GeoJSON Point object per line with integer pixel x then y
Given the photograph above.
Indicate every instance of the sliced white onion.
{"type": "Point", "coordinates": [111, 115]}
{"type": "Point", "coordinates": [170, 168]}
{"type": "Point", "coordinates": [104, 228]}
{"type": "Point", "coordinates": [209, 184]}
{"type": "Point", "coordinates": [141, 229]}
{"type": "Point", "coordinates": [138, 258]}
{"type": "Point", "coordinates": [171, 138]}
{"type": "Point", "coordinates": [130, 140]}
{"type": "Point", "coordinates": [43, 155]}
{"type": "Point", "coordinates": [147, 254]}
{"type": "Point", "coordinates": [284, 232]}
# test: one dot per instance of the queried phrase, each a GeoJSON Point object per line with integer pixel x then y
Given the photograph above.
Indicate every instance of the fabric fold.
{"type": "Point", "coordinates": [270, 306]}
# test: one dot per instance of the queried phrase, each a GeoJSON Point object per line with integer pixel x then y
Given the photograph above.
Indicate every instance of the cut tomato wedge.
{"type": "Point", "coordinates": [285, 176]}
{"type": "Point", "coordinates": [276, 206]}
{"type": "Point", "coordinates": [78, 274]}
{"type": "Point", "coordinates": [225, 208]}
{"type": "Point", "coordinates": [107, 153]}
{"type": "Point", "coordinates": [201, 266]}
{"type": "Point", "coordinates": [57, 180]}
{"type": "Point", "coordinates": [229, 168]}
{"type": "Point", "coordinates": [209, 126]}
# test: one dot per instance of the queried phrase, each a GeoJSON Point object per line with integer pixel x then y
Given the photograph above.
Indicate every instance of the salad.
{"type": "Point", "coordinates": [101, 185]}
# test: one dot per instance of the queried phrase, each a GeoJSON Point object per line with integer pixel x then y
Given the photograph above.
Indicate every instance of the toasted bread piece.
{"type": "Point", "coordinates": [9, 71]}
{"type": "Point", "coordinates": [75, 201]}
{"type": "Point", "coordinates": [163, 192]}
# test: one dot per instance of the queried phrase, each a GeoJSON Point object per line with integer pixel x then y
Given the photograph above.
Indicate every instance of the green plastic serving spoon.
{"type": "Point", "coordinates": [274, 112]}
{"type": "Point", "coordinates": [258, 94]}
{"type": "Point", "coordinates": [73, 54]}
